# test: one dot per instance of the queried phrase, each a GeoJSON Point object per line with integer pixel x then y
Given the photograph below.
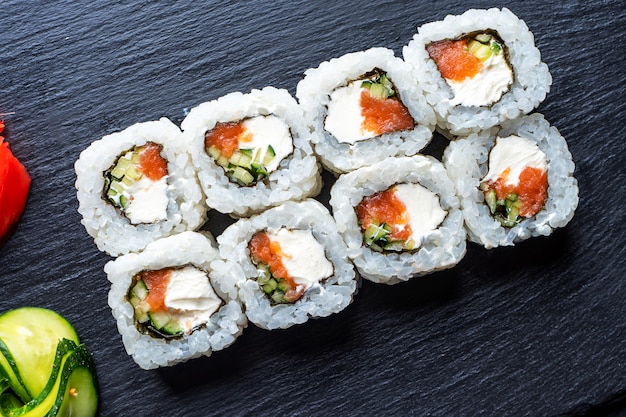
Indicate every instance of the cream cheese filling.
{"type": "Point", "coordinates": [486, 87]}
{"type": "Point", "coordinates": [190, 298]}
{"type": "Point", "coordinates": [514, 153]}
{"type": "Point", "coordinates": [303, 256]}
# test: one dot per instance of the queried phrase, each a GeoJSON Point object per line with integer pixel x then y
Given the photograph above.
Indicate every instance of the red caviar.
{"type": "Point", "coordinates": [385, 207]}
{"type": "Point", "coordinates": [454, 60]}
{"type": "Point", "coordinates": [225, 136]}
{"type": "Point", "coordinates": [151, 163]}
{"type": "Point", "coordinates": [156, 282]}
{"type": "Point", "coordinates": [384, 115]}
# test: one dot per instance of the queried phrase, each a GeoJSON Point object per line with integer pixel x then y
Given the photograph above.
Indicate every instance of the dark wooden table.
{"type": "Point", "coordinates": [538, 329]}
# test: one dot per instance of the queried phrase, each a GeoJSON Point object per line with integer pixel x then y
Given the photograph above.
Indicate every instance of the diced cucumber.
{"type": "Point", "coordinates": [258, 170]}
{"type": "Point", "coordinates": [491, 200]}
{"type": "Point", "coordinates": [496, 48]}
{"type": "Point", "coordinates": [142, 317]}
{"type": "Point", "coordinates": [278, 297]}
{"type": "Point", "coordinates": [140, 290]}
{"type": "Point", "coordinates": [270, 151]}
{"type": "Point", "coordinates": [483, 38]}
{"type": "Point", "coordinates": [479, 50]}
{"type": "Point", "coordinates": [247, 152]}
{"type": "Point", "coordinates": [120, 168]}
{"type": "Point", "coordinates": [133, 173]}
{"type": "Point", "coordinates": [270, 286]}
{"type": "Point", "coordinates": [366, 84]}
{"type": "Point", "coordinates": [222, 161]}
{"type": "Point", "coordinates": [214, 152]}
{"type": "Point", "coordinates": [117, 186]}
{"type": "Point", "coordinates": [283, 285]}
{"type": "Point", "coordinates": [159, 319]}
{"type": "Point", "coordinates": [123, 201]}
{"type": "Point", "coordinates": [377, 90]}
{"type": "Point", "coordinates": [172, 327]}
{"type": "Point", "coordinates": [242, 176]}
{"type": "Point", "coordinates": [263, 274]}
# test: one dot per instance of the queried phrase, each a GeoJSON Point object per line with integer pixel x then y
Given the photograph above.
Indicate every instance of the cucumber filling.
{"type": "Point", "coordinates": [278, 290]}
{"type": "Point", "coordinates": [505, 211]}
{"type": "Point", "coordinates": [241, 167]}
{"type": "Point", "coordinates": [160, 322]}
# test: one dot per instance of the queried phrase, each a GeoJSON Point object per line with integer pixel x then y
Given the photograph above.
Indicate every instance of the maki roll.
{"type": "Point", "coordinates": [364, 107]}
{"type": "Point", "coordinates": [136, 186]}
{"type": "Point", "coordinates": [289, 264]}
{"type": "Point", "coordinates": [169, 304]}
{"type": "Point", "coordinates": [400, 218]}
{"type": "Point", "coordinates": [515, 183]}
{"type": "Point", "coordinates": [252, 151]}
{"type": "Point", "coordinates": [478, 69]}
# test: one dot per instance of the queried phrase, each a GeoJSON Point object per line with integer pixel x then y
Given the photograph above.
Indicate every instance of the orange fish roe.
{"type": "Point", "coordinates": [454, 60]}
{"type": "Point", "coordinates": [225, 137]}
{"type": "Point", "coordinates": [384, 115]}
{"type": "Point", "coordinates": [151, 163]}
{"type": "Point", "coordinates": [531, 190]}
{"type": "Point", "coordinates": [156, 282]}
{"type": "Point", "coordinates": [385, 207]}
{"type": "Point", "coordinates": [270, 253]}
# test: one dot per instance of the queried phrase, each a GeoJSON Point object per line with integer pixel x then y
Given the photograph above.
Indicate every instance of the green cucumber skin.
{"type": "Point", "coordinates": [73, 368]}
{"type": "Point", "coordinates": [46, 328]}
{"type": "Point", "coordinates": [11, 374]}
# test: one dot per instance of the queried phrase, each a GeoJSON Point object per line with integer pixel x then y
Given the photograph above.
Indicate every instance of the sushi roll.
{"type": "Point", "coordinates": [364, 107]}
{"type": "Point", "coordinates": [137, 186]}
{"type": "Point", "coordinates": [400, 218]}
{"type": "Point", "coordinates": [289, 264]}
{"type": "Point", "coordinates": [478, 69]}
{"type": "Point", "coordinates": [252, 151]}
{"type": "Point", "coordinates": [169, 304]}
{"type": "Point", "coordinates": [513, 183]}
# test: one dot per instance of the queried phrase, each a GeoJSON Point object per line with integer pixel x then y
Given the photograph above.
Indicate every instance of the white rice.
{"type": "Point", "coordinates": [314, 91]}
{"type": "Point", "coordinates": [467, 163]}
{"type": "Point", "coordinates": [112, 231]}
{"type": "Point", "coordinates": [330, 296]}
{"type": "Point", "coordinates": [440, 249]}
{"type": "Point", "coordinates": [297, 177]}
{"type": "Point", "coordinates": [532, 78]}
{"type": "Point", "coordinates": [188, 248]}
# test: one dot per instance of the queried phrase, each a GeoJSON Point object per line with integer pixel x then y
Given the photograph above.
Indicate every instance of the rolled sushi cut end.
{"type": "Point", "coordinates": [137, 184]}
{"type": "Point", "coordinates": [400, 219]}
{"type": "Point", "coordinates": [475, 67]}
{"type": "Point", "coordinates": [252, 151]}
{"type": "Point", "coordinates": [478, 69]}
{"type": "Point", "coordinates": [366, 108]}
{"type": "Point", "coordinates": [247, 150]}
{"type": "Point", "coordinates": [514, 184]}
{"type": "Point", "coordinates": [169, 303]}
{"type": "Point", "coordinates": [172, 301]}
{"type": "Point", "coordinates": [363, 107]}
{"type": "Point", "coordinates": [289, 264]}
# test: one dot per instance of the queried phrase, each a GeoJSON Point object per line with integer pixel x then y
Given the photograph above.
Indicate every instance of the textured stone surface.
{"type": "Point", "coordinates": [537, 329]}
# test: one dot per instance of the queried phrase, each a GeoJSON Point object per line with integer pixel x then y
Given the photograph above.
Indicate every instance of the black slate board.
{"type": "Point", "coordinates": [537, 329]}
